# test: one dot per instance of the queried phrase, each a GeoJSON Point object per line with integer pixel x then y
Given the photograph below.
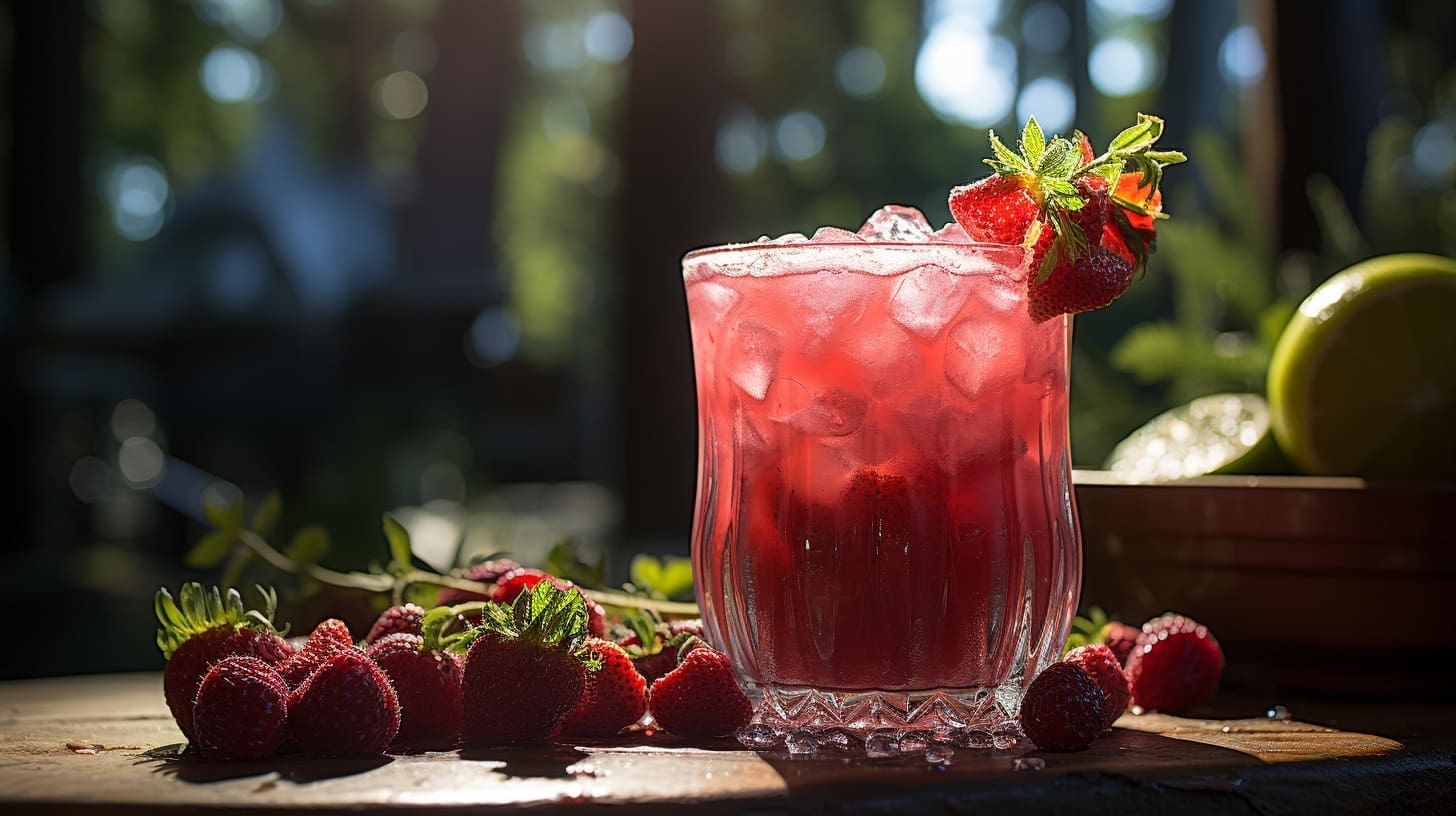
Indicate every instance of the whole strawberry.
{"type": "Point", "coordinates": [486, 572]}
{"type": "Point", "coordinates": [396, 619]}
{"type": "Point", "coordinates": [526, 667]}
{"type": "Point", "coordinates": [204, 626]}
{"type": "Point", "coordinates": [1102, 665]}
{"type": "Point", "coordinates": [1175, 665]}
{"type": "Point", "coordinates": [426, 679]}
{"type": "Point", "coordinates": [329, 637]}
{"type": "Point", "coordinates": [347, 707]}
{"type": "Point", "coordinates": [1092, 281]}
{"type": "Point", "coordinates": [615, 695]}
{"type": "Point", "coordinates": [241, 711]}
{"type": "Point", "coordinates": [700, 698]}
{"type": "Point", "coordinates": [517, 581]}
{"type": "Point", "coordinates": [997, 209]}
{"type": "Point", "coordinates": [1062, 710]}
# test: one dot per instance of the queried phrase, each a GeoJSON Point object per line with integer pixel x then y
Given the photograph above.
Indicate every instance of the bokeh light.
{"type": "Point", "coordinates": [1122, 66]}
{"type": "Point", "coordinates": [555, 46]}
{"type": "Point", "coordinates": [741, 144]}
{"type": "Point", "coordinates": [401, 95]}
{"type": "Point", "coordinates": [132, 417]}
{"type": "Point", "coordinates": [1051, 100]}
{"type": "Point", "coordinates": [1142, 9]}
{"type": "Point", "coordinates": [250, 20]}
{"type": "Point", "coordinates": [138, 193]}
{"type": "Point", "coordinates": [1433, 150]}
{"type": "Point", "coordinates": [966, 74]}
{"type": "Point", "coordinates": [493, 338]}
{"type": "Point", "coordinates": [607, 37]}
{"type": "Point", "coordinates": [860, 71]}
{"type": "Point", "coordinates": [232, 74]}
{"type": "Point", "coordinates": [1045, 27]}
{"type": "Point", "coordinates": [1241, 56]}
{"type": "Point", "coordinates": [799, 136]}
{"type": "Point", "coordinates": [140, 461]}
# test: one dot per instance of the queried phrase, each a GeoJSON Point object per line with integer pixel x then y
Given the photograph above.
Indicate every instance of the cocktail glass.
{"type": "Point", "coordinates": [885, 539]}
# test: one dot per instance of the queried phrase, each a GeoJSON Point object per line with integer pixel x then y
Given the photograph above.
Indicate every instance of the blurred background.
{"type": "Point", "coordinates": [421, 256]}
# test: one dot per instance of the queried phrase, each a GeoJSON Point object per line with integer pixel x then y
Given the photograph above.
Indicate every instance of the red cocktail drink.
{"type": "Point", "coordinates": [884, 533]}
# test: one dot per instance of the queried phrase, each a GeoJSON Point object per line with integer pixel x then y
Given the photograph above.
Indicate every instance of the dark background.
{"type": "Point", "coordinates": [422, 257]}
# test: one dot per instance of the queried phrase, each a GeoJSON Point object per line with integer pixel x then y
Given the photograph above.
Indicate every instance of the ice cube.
{"type": "Point", "coordinates": [951, 233]}
{"type": "Point", "coordinates": [830, 412]}
{"type": "Point", "coordinates": [711, 301]}
{"type": "Point", "coordinates": [896, 223]}
{"type": "Point", "coordinates": [827, 299]}
{"type": "Point", "coordinates": [927, 297]}
{"type": "Point", "coordinates": [791, 238]}
{"type": "Point", "coordinates": [753, 356]}
{"type": "Point", "coordinates": [835, 235]}
{"type": "Point", "coordinates": [980, 355]}
{"type": "Point", "coordinates": [1044, 356]}
{"type": "Point", "coordinates": [886, 354]}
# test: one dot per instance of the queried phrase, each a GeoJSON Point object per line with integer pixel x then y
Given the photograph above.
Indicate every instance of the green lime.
{"type": "Point", "coordinates": [1363, 379]}
{"type": "Point", "coordinates": [1220, 433]}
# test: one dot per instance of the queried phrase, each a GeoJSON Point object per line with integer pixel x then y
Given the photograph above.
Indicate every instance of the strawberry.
{"type": "Point", "coordinates": [614, 697]}
{"type": "Point", "coordinates": [1090, 282]}
{"type": "Point", "coordinates": [1062, 710]}
{"type": "Point", "coordinates": [700, 698]}
{"type": "Point", "coordinates": [241, 711]}
{"type": "Point", "coordinates": [203, 627]}
{"type": "Point", "coordinates": [1076, 212]}
{"type": "Point", "coordinates": [396, 619]}
{"type": "Point", "coordinates": [997, 209]}
{"type": "Point", "coordinates": [329, 637]}
{"type": "Point", "coordinates": [1103, 667]}
{"type": "Point", "coordinates": [514, 582]}
{"type": "Point", "coordinates": [1121, 639]}
{"type": "Point", "coordinates": [426, 679]}
{"type": "Point", "coordinates": [486, 572]}
{"type": "Point", "coordinates": [526, 667]}
{"type": "Point", "coordinates": [1175, 665]}
{"type": "Point", "coordinates": [347, 707]}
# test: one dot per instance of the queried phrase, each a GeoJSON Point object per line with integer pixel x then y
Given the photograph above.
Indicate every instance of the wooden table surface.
{"type": "Point", "coordinates": [106, 744]}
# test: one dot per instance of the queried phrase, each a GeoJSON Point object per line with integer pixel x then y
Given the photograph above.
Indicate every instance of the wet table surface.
{"type": "Point", "coordinates": [106, 744]}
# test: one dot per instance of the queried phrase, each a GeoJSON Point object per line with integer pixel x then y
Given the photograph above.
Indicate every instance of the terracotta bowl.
{"type": "Point", "coordinates": [1324, 584]}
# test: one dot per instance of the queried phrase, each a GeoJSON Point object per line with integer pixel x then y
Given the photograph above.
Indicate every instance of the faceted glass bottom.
{"type": "Point", "coordinates": [884, 723]}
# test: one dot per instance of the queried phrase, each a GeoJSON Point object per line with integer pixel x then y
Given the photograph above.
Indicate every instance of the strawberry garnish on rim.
{"type": "Point", "coordinates": [1088, 220]}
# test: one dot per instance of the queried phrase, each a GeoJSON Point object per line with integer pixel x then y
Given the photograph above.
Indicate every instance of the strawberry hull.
{"type": "Point", "coordinates": [884, 500]}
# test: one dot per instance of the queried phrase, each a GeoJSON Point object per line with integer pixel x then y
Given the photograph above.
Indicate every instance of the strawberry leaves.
{"type": "Point", "coordinates": [198, 609]}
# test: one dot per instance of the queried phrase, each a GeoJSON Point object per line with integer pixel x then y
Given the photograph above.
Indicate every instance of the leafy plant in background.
{"type": "Point", "coordinates": [663, 587]}
{"type": "Point", "coordinates": [1228, 307]}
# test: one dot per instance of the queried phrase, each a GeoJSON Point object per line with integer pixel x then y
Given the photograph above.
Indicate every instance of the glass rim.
{"type": "Point", "coordinates": [757, 246]}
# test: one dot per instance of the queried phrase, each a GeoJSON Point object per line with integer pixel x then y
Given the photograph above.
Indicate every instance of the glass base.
{"type": "Point", "coordinates": [884, 723]}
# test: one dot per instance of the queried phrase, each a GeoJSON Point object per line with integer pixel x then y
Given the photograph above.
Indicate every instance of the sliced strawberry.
{"type": "Point", "coordinates": [1175, 665]}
